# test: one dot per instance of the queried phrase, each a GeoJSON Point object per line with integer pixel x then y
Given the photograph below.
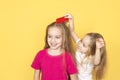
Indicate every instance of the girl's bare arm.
{"type": "Point", "coordinates": [36, 75]}
{"type": "Point", "coordinates": [71, 24]}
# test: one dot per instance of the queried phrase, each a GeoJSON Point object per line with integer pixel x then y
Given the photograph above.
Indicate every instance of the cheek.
{"type": "Point", "coordinates": [86, 49]}
{"type": "Point", "coordinates": [79, 46]}
{"type": "Point", "coordinates": [60, 41]}
{"type": "Point", "coordinates": [48, 39]}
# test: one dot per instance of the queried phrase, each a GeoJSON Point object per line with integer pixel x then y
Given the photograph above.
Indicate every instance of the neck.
{"type": "Point", "coordinates": [55, 52]}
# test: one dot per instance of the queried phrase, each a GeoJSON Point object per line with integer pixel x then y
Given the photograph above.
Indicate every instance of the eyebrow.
{"type": "Point", "coordinates": [83, 43]}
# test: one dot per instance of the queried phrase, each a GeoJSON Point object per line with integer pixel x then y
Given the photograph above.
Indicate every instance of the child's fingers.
{"type": "Point", "coordinates": [100, 43]}
{"type": "Point", "coordinates": [68, 15]}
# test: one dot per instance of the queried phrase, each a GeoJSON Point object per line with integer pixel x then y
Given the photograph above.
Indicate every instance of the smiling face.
{"type": "Point", "coordinates": [54, 38]}
{"type": "Point", "coordinates": [83, 45]}
{"type": "Point", "coordinates": [58, 38]}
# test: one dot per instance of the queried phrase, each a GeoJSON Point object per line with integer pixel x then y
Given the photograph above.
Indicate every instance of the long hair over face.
{"type": "Point", "coordinates": [98, 69]}
{"type": "Point", "coordinates": [66, 36]}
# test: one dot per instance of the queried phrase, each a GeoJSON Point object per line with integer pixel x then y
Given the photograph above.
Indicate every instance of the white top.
{"type": "Point", "coordinates": [84, 66]}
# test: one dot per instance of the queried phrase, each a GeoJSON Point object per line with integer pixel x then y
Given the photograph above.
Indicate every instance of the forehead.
{"type": "Point", "coordinates": [86, 40]}
{"type": "Point", "coordinates": [54, 30]}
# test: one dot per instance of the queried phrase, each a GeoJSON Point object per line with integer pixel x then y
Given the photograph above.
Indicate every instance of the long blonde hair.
{"type": "Point", "coordinates": [98, 69]}
{"type": "Point", "coordinates": [67, 41]}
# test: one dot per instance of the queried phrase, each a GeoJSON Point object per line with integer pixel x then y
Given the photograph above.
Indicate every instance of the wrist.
{"type": "Point", "coordinates": [97, 49]}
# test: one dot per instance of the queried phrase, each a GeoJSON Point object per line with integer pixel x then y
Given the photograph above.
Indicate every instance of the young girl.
{"type": "Point", "coordinates": [90, 53]}
{"type": "Point", "coordinates": [55, 61]}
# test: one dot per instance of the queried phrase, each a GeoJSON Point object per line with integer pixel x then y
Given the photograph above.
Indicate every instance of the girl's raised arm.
{"type": "Point", "coordinates": [99, 45]}
{"type": "Point", "coordinates": [71, 24]}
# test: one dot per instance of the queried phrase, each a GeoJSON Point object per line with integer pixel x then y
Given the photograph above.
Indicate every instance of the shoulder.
{"type": "Point", "coordinates": [41, 52]}
{"type": "Point", "coordinates": [68, 56]}
{"type": "Point", "coordinates": [79, 55]}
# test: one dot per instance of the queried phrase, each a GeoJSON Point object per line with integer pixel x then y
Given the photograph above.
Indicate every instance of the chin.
{"type": "Point", "coordinates": [52, 48]}
{"type": "Point", "coordinates": [79, 50]}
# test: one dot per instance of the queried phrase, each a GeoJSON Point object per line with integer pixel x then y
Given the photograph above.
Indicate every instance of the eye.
{"type": "Point", "coordinates": [58, 37]}
{"type": "Point", "coordinates": [84, 45]}
{"type": "Point", "coordinates": [49, 36]}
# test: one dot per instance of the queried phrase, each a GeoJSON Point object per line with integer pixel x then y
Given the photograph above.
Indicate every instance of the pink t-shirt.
{"type": "Point", "coordinates": [54, 67]}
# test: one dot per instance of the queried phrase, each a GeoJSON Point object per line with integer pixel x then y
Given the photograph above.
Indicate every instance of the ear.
{"type": "Point", "coordinates": [89, 51]}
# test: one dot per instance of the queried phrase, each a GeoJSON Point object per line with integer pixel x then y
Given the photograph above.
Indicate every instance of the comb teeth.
{"type": "Point", "coordinates": [61, 20]}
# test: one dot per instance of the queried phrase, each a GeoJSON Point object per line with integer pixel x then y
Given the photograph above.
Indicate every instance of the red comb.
{"type": "Point", "coordinates": [61, 19]}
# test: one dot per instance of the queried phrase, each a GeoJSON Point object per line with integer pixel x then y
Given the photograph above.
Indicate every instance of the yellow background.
{"type": "Point", "coordinates": [23, 24]}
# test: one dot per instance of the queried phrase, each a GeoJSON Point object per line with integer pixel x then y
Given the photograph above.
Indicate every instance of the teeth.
{"type": "Point", "coordinates": [53, 45]}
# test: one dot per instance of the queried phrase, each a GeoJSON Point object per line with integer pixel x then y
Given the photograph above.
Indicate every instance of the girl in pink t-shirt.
{"type": "Point", "coordinates": [55, 61]}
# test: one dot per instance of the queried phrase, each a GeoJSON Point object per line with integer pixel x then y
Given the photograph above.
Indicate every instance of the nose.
{"type": "Point", "coordinates": [52, 40]}
{"type": "Point", "coordinates": [79, 44]}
